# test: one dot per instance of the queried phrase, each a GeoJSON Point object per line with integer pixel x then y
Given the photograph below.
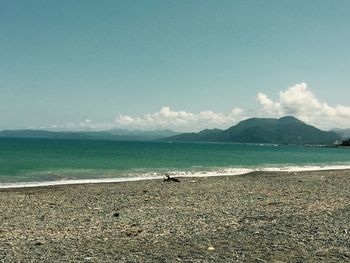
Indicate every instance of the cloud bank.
{"type": "Point", "coordinates": [300, 102]}
{"type": "Point", "coordinates": [297, 101]}
{"type": "Point", "coordinates": [167, 118]}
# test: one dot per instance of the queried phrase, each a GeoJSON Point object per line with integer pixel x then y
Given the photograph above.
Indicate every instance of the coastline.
{"type": "Point", "coordinates": [255, 217]}
{"type": "Point", "coordinates": [177, 174]}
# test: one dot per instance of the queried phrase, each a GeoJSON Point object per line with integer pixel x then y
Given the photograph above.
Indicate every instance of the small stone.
{"type": "Point", "coordinates": [210, 248]}
{"type": "Point", "coordinates": [116, 214]}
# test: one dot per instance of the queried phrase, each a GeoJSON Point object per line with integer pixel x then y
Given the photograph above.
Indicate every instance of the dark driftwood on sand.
{"type": "Point", "coordinates": [168, 178]}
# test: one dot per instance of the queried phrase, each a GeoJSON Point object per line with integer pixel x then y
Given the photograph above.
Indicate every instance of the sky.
{"type": "Point", "coordinates": [184, 65]}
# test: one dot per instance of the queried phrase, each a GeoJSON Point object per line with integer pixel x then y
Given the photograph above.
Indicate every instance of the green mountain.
{"type": "Point", "coordinates": [286, 130]}
{"type": "Point", "coordinates": [115, 134]}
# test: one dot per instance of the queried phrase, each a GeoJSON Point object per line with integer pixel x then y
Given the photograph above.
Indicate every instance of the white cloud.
{"type": "Point", "coordinates": [81, 126]}
{"type": "Point", "coordinates": [303, 104]}
{"type": "Point", "coordinates": [269, 107]}
{"type": "Point", "coordinates": [167, 118]}
{"type": "Point", "coordinates": [297, 101]}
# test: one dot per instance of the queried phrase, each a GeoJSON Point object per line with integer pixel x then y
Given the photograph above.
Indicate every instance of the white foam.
{"type": "Point", "coordinates": [306, 168]}
{"type": "Point", "coordinates": [155, 175]}
{"type": "Point", "coordinates": [77, 181]}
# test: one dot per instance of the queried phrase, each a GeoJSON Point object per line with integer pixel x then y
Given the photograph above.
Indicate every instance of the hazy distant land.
{"type": "Point", "coordinates": [115, 134]}
{"type": "Point", "coordinates": [286, 130]}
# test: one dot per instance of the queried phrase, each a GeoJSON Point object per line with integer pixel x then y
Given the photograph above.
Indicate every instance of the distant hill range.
{"type": "Point", "coordinates": [286, 130]}
{"type": "Point", "coordinates": [116, 134]}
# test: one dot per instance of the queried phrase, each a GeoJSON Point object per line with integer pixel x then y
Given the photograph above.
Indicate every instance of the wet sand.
{"type": "Point", "coordinates": [258, 217]}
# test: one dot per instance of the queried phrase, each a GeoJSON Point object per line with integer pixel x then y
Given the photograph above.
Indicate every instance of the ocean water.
{"type": "Point", "coordinates": [25, 161]}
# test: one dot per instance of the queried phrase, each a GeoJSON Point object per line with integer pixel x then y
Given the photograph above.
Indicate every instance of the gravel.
{"type": "Point", "coordinates": [259, 217]}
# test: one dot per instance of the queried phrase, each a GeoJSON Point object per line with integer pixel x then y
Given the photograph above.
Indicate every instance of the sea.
{"type": "Point", "coordinates": [36, 162]}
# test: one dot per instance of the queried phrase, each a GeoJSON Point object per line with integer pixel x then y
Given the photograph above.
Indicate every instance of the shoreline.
{"type": "Point", "coordinates": [224, 172]}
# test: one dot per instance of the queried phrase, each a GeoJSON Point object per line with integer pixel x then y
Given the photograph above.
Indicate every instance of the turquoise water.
{"type": "Point", "coordinates": [28, 160]}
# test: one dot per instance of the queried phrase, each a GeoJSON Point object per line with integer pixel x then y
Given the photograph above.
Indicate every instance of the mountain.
{"type": "Point", "coordinates": [42, 134]}
{"type": "Point", "coordinates": [141, 133]}
{"type": "Point", "coordinates": [208, 135]}
{"type": "Point", "coordinates": [344, 133]}
{"type": "Point", "coordinates": [286, 130]}
{"type": "Point", "coordinates": [116, 134]}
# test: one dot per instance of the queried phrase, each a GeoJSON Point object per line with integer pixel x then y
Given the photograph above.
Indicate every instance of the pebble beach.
{"type": "Point", "coordinates": [257, 217]}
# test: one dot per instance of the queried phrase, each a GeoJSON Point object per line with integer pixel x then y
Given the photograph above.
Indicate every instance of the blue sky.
{"type": "Point", "coordinates": [172, 64]}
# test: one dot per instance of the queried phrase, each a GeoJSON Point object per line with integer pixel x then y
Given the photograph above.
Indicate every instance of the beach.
{"type": "Point", "coordinates": [256, 217]}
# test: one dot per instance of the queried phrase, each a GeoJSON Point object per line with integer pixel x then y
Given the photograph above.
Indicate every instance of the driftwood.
{"type": "Point", "coordinates": [167, 178]}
